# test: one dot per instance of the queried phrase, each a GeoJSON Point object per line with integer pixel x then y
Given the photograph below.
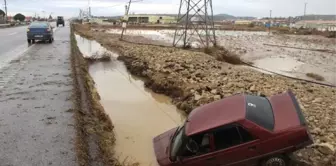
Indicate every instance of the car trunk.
{"type": "Point", "coordinates": [287, 112]}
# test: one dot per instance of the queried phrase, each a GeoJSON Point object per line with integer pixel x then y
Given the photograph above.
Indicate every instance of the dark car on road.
{"type": "Point", "coordinates": [60, 21]}
{"type": "Point", "coordinates": [40, 31]}
{"type": "Point", "coordinates": [241, 130]}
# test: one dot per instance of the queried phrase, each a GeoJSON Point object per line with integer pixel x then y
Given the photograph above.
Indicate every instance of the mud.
{"type": "Point", "coordinates": [135, 110]}
{"type": "Point", "coordinates": [193, 79]}
{"type": "Point", "coordinates": [312, 54]}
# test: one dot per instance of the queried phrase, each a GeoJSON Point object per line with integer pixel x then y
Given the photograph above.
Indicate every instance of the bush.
{"type": "Point", "coordinates": [222, 54]}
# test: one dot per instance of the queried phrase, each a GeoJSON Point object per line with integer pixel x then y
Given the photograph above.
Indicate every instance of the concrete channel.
{"type": "Point", "coordinates": [137, 113]}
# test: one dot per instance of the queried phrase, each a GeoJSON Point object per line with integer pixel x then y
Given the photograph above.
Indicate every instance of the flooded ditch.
{"type": "Point", "coordinates": [137, 113]}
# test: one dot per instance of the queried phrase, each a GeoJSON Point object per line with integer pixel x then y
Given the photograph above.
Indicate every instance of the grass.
{"type": "Point", "coordinates": [315, 76]}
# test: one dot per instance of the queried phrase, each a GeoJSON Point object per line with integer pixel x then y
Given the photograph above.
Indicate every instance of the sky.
{"type": "Point", "coordinates": [256, 8]}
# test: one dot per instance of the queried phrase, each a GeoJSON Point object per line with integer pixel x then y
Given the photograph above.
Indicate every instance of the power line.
{"type": "Point", "coordinates": [198, 19]}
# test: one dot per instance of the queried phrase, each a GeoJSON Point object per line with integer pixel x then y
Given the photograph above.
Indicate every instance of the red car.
{"type": "Point", "coordinates": [240, 130]}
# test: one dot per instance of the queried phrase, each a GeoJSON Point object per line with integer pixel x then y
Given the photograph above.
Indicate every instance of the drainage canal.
{"type": "Point", "coordinates": [137, 113]}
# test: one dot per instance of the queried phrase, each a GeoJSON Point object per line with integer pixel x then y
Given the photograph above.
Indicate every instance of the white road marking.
{"type": "Point", "coordinates": [12, 34]}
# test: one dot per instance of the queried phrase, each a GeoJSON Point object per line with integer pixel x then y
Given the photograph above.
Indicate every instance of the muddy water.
{"type": "Point", "coordinates": [137, 113]}
{"type": "Point", "coordinates": [89, 47]}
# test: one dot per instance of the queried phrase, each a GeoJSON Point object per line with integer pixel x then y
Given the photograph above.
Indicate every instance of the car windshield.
{"type": "Point", "coordinates": [177, 142]}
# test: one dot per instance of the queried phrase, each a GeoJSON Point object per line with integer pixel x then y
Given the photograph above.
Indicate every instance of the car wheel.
{"type": "Point", "coordinates": [33, 41]}
{"type": "Point", "coordinates": [29, 41]}
{"type": "Point", "coordinates": [278, 160]}
{"type": "Point", "coordinates": [50, 40]}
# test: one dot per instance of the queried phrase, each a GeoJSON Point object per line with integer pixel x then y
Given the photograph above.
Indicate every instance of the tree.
{"type": "Point", "coordinates": [2, 13]}
{"type": "Point", "coordinates": [19, 17]}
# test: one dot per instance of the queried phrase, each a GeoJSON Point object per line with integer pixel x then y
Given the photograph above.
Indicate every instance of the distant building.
{"type": "Point", "coordinates": [28, 18]}
{"type": "Point", "coordinates": [320, 25]}
{"type": "Point", "coordinates": [151, 19]}
{"type": "Point", "coordinates": [242, 22]}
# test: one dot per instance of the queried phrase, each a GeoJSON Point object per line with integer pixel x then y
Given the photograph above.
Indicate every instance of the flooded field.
{"type": "Point", "coordinates": [290, 55]}
{"type": "Point", "coordinates": [137, 113]}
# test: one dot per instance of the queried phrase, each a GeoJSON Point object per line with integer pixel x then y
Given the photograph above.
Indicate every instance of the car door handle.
{"type": "Point", "coordinates": [212, 158]}
{"type": "Point", "coordinates": [252, 148]}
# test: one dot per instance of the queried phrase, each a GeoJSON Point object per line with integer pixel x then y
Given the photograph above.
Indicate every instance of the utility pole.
{"type": "Point", "coordinates": [6, 17]}
{"type": "Point", "coordinates": [124, 24]}
{"type": "Point", "coordinates": [270, 22]}
{"type": "Point", "coordinates": [305, 9]}
{"type": "Point", "coordinates": [89, 15]}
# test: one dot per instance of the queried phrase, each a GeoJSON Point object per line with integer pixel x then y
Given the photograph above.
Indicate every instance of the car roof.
{"type": "Point", "coordinates": [228, 110]}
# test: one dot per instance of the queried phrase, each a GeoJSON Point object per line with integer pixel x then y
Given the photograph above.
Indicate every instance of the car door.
{"type": "Point", "coordinates": [204, 158]}
{"type": "Point", "coordinates": [235, 146]}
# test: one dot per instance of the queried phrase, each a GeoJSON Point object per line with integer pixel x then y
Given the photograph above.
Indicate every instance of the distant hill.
{"type": "Point", "coordinates": [217, 17]}
{"type": "Point", "coordinates": [220, 17]}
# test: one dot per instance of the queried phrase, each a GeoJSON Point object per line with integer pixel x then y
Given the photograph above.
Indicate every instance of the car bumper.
{"type": "Point", "coordinates": [39, 36]}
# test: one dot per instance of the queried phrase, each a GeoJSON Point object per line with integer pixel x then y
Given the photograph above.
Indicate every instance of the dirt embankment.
{"type": "Point", "coordinates": [193, 79]}
{"type": "Point", "coordinates": [95, 137]}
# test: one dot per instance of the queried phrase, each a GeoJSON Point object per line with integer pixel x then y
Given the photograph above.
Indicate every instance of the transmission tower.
{"type": "Point", "coordinates": [195, 21]}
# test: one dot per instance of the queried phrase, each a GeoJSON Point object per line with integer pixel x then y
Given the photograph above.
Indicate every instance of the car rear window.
{"type": "Point", "coordinates": [259, 111]}
{"type": "Point", "coordinates": [38, 25]}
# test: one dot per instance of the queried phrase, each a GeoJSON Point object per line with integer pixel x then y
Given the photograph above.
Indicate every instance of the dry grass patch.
{"type": "Point", "coordinates": [222, 54]}
{"type": "Point", "coordinates": [315, 76]}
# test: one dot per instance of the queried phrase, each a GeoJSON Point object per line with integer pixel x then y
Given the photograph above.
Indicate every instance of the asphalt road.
{"type": "Point", "coordinates": [13, 43]}
{"type": "Point", "coordinates": [36, 121]}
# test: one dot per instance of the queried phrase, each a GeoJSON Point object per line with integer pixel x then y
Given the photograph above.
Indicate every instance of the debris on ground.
{"type": "Point", "coordinates": [97, 56]}
{"type": "Point", "coordinates": [315, 76]}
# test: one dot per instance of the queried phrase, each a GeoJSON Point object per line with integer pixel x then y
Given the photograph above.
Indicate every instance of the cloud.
{"type": "Point", "coordinates": [258, 8]}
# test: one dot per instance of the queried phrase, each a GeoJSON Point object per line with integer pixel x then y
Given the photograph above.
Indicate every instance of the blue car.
{"type": "Point", "coordinates": [40, 31]}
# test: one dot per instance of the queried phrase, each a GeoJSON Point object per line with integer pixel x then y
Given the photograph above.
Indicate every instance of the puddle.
{"type": "Point", "coordinates": [89, 47]}
{"type": "Point", "coordinates": [137, 113]}
{"type": "Point", "coordinates": [283, 65]}
{"type": "Point", "coordinates": [293, 68]}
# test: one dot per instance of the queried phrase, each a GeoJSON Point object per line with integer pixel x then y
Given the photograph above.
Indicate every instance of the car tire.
{"type": "Point", "coordinates": [33, 41]}
{"type": "Point", "coordinates": [29, 41]}
{"type": "Point", "coordinates": [278, 160]}
{"type": "Point", "coordinates": [50, 40]}
{"type": "Point", "coordinates": [57, 25]}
